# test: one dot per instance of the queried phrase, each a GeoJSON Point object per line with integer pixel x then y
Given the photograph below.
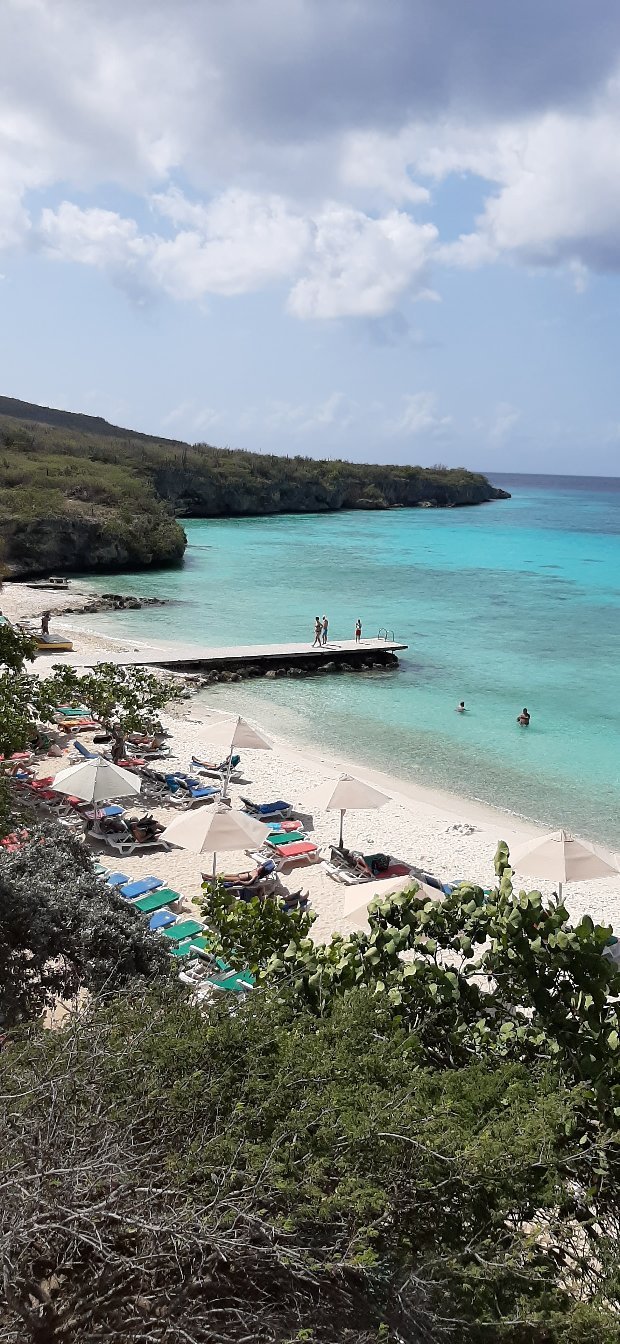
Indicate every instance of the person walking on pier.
{"type": "Point", "coordinates": [317, 631]}
{"type": "Point", "coordinates": [325, 629]}
{"type": "Point", "coordinates": [358, 630]}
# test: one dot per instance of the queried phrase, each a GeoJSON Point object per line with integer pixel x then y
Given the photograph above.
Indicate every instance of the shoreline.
{"type": "Point", "coordinates": [449, 834]}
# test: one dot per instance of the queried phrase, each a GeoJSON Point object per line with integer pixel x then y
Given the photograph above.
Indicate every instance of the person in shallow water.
{"type": "Point", "coordinates": [524, 718]}
{"type": "Point", "coordinates": [460, 709]}
{"type": "Point", "coordinates": [317, 631]}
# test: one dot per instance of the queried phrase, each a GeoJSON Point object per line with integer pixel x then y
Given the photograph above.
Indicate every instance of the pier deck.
{"type": "Point", "coordinates": [190, 657]}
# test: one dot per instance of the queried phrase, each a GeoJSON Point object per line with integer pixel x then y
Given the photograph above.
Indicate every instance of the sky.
{"type": "Point", "coordinates": [387, 230]}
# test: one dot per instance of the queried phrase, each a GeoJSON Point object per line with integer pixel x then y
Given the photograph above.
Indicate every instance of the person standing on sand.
{"type": "Point", "coordinates": [358, 630]}
{"type": "Point", "coordinates": [325, 629]}
{"type": "Point", "coordinates": [317, 631]}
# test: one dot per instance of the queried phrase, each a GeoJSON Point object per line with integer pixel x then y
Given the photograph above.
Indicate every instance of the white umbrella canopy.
{"type": "Point", "coordinates": [560, 858]}
{"type": "Point", "coordinates": [216, 830]}
{"type": "Point", "coordinates": [97, 780]}
{"type": "Point", "coordinates": [347, 794]}
{"type": "Point", "coordinates": [230, 732]}
{"type": "Point", "coordinates": [358, 898]}
{"type": "Point", "coordinates": [236, 732]}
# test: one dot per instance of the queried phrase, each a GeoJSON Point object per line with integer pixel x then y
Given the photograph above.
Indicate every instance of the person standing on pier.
{"type": "Point", "coordinates": [317, 631]}
{"type": "Point", "coordinates": [358, 630]}
{"type": "Point", "coordinates": [325, 629]}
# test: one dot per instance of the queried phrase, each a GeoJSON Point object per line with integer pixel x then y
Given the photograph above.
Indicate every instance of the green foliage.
{"type": "Point", "coordinates": [264, 1174]}
{"type": "Point", "coordinates": [62, 929]}
{"type": "Point", "coordinates": [123, 487]}
{"type": "Point", "coordinates": [16, 648]}
{"type": "Point", "coordinates": [131, 696]}
{"type": "Point", "coordinates": [20, 696]}
{"type": "Point", "coordinates": [249, 932]}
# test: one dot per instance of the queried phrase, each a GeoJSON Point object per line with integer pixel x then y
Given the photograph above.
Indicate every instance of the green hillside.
{"type": "Point", "coordinates": [77, 493]}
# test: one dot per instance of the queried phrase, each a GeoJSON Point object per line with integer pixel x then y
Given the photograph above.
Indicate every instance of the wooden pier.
{"type": "Point", "coordinates": [251, 659]}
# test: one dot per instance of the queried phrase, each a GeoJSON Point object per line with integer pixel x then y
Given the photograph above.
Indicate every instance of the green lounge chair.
{"type": "Point", "coordinates": [191, 948]}
{"type": "Point", "coordinates": [156, 900]}
{"type": "Point", "coordinates": [186, 928]}
{"type": "Point", "coordinates": [285, 837]}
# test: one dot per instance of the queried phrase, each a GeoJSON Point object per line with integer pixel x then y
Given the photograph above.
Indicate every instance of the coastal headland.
{"type": "Point", "coordinates": [79, 495]}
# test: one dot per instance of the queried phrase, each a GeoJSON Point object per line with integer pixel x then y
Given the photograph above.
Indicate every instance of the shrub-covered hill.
{"type": "Point", "coordinates": [77, 493]}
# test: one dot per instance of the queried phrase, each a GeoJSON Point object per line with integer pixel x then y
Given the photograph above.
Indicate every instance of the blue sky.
{"type": "Point", "coordinates": [387, 232]}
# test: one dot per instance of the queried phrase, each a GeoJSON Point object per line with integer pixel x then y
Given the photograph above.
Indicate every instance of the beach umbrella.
{"type": "Point", "coordinates": [235, 732]}
{"type": "Point", "coordinates": [97, 780]}
{"type": "Point", "coordinates": [358, 897]}
{"type": "Point", "coordinates": [560, 858]}
{"type": "Point", "coordinates": [347, 794]}
{"type": "Point", "coordinates": [214, 831]}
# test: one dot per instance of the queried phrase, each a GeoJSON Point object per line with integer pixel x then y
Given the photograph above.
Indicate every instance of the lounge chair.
{"type": "Point", "coordinates": [156, 900]}
{"type": "Point", "coordinates": [184, 791]}
{"type": "Point", "coordinates": [267, 811]}
{"type": "Point", "coordinates": [83, 751]}
{"type": "Point", "coordinates": [123, 841]}
{"type": "Point", "coordinates": [110, 810]}
{"type": "Point", "coordinates": [192, 948]}
{"type": "Point", "coordinates": [297, 851]}
{"type": "Point", "coordinates": [116, 880]}
{"type": "Point", "coordinates": [183, 930]}
{"type": "Point", "coordinates": [215, 771]}
{"type": "Point", "coordinates": [162, 920]}
{"type": "Point", "coordinates": [280, 838]}
{"type": "Point", "coordinates": [143, 887]}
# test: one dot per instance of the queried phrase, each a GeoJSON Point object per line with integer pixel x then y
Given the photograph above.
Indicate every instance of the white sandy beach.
{"type": "Point", "coordinates": [418, 825]}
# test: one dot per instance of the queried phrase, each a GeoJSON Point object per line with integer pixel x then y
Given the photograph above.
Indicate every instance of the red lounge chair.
{"type": "Point", "coordinates": [300, 851]}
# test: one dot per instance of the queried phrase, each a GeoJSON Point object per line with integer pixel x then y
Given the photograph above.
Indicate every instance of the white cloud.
{"type": "Point", "coordinates": [419, 416]}
{"type": "Point", "coordinates": [503, 422]}
{"type": "Point", "coordinates": [340, 263]}
{"type": "Point", "coordinates": [241, 242]}
{"type": "Point", "coordinates": [266, 111]}
{"type": "Point", "coordinates": [336, 412]}
{"type": "Point", "coordinates": [360, 266]}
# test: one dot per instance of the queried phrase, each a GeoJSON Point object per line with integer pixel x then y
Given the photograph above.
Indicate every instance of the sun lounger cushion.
{"type": "Point", "coordinates": [185, 929]}
{"type": "Point", "coordinates": [162, 920]}
{"type": "Point", "coordinates": [141, 887]}
{"type": "Point", "coordinates": [112, 810]}
{"type": "Point", "coordinates": [297, 849]}
{"type": "Point", "coordinates": [191, 948]}
{"type": "Point", "coordinates": [156, 900]}
{"type": "Point", "coordinates": [282, 838]}
{"type": "Point", "coordinates": [117, 880]}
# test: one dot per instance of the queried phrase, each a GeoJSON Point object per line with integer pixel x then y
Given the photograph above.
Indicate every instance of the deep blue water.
{"type": "Point", "coordinates": [509, 604]}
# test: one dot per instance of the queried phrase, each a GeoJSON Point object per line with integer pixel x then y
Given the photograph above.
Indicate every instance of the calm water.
{"type": "Point", "coordinates": [509, 604]}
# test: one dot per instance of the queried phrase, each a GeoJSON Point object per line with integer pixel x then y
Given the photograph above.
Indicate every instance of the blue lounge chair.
{"type": "Point", "coordinates": [268, 811]}
{"type": "Point", "coordinates": [83, 751]}
{"type": "Point", "coordinates": [116, 880]}
{"type": "Point", "coordinates": [141, 888]}
{"type": "Point", "coordinates": [162, 920]}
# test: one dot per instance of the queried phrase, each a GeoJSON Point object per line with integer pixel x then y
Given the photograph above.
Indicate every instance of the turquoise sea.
{"type": "Point", "coordinates": [509, 604]}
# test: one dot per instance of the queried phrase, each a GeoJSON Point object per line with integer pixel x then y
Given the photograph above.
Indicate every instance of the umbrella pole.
{"type": "Point", "coordinates": [224, 795]}
{"type": "Point", "coordinates": [342, 812]}
{"type": "Point", "coordinates": [214, 868]}
{"type": "Point", "coordinates": [560, 891]}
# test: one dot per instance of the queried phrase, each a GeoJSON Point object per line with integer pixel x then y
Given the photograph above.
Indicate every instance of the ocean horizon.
{"type": "Point", "coordinates": [510, 604]}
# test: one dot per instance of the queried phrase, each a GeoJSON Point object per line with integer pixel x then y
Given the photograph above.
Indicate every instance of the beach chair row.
{"type": "Point", "coordinates": [188, 938]}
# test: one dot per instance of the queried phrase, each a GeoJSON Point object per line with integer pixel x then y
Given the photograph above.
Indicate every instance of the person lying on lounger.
{"type": "Point", "coordinates": [246, 879]}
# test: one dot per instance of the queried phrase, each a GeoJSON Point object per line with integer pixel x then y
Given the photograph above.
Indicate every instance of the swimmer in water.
{"type": "Point", "coordinates": [460, 709]}
{"type": "Point", "coordinates": [524, 718]}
